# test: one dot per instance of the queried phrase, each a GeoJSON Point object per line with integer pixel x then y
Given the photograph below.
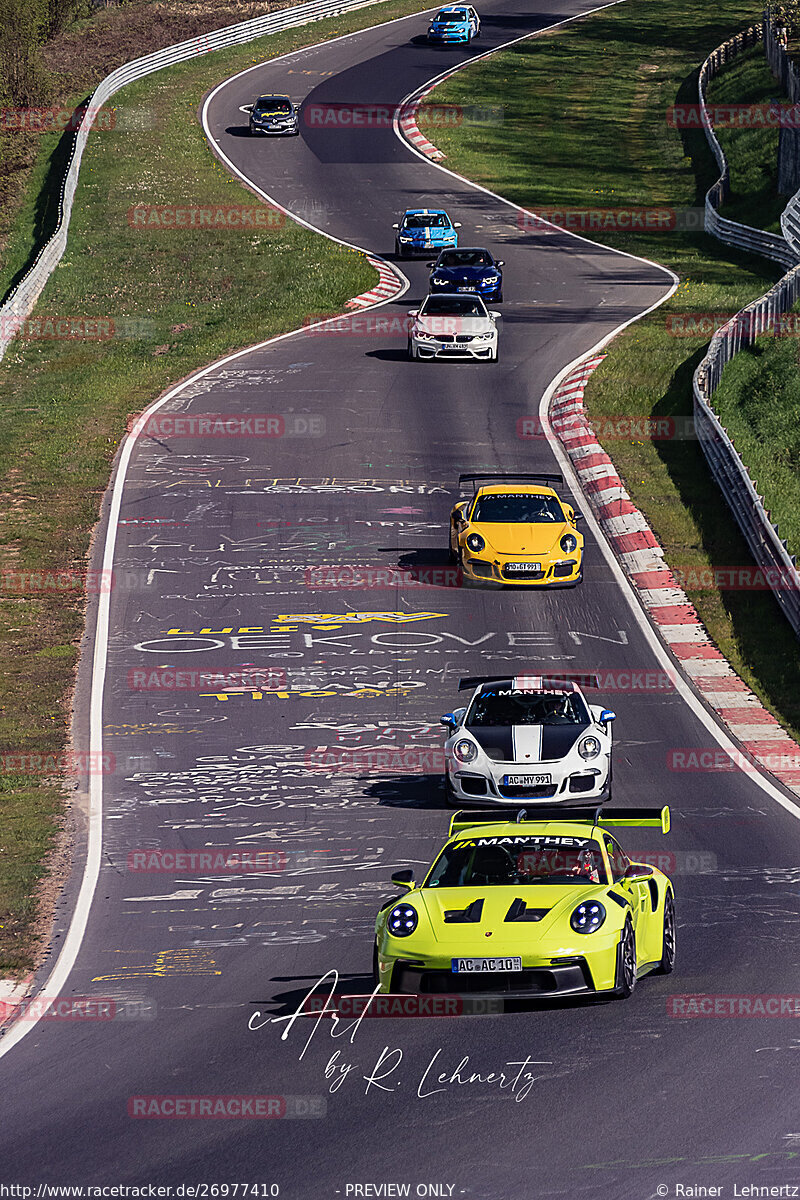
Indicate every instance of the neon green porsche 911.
{"type": "Point", "coordinates": [540, 906]}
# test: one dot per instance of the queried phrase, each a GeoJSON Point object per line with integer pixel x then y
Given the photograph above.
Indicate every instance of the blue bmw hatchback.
{"type": "Point", "coordinates": [467, 270]}
{"type": "Point", "coordinates": [424, 229]}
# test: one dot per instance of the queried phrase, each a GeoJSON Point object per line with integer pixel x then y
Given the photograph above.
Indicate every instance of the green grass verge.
{"type": "Point", "coordinates": [188, 298]}
{"type": "Point", "coordinates": [752, 154]}
{"type": "Point", "coordinates": [758, 401]}
{"type": "Point", "coordinates": [585, 124]}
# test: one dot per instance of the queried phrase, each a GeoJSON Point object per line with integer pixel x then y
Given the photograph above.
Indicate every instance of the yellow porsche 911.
{"type": "Point", "coordinates": [520, 532]}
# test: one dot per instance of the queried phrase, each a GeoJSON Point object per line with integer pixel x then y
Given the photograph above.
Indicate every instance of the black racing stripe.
{"type": "Point", "coordinates": [558, 740]}
{"type": "Point", "coordinates": [495, 740]}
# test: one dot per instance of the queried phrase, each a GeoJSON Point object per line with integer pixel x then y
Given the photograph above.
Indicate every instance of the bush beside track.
{"type": "Point", "coordinates": [585, 125]}
{"type": "Point", "coordinates": [183, 298]}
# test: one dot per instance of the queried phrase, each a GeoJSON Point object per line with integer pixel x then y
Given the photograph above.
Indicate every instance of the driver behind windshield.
{"type": "Point", "coordinates": [527, 708]}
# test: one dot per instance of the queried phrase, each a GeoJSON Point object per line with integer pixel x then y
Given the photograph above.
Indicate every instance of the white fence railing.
{"type": "Point", "coordinates": [730, 473]}
{"type": "Point", "coordinates": [22, 299]}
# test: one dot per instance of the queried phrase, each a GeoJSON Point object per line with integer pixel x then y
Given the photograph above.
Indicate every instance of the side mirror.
{"type": "Point", "coordinates": [404, 879]}
{"type": "Point", "coordinates": [499, 262]}
{"type": "Point", "coordinates": [396, 225]}
{"type": "Point", "coordinates": [456, 224]}
{"type": "Point", "coordinates": [637, 871]}
{"type": "Point", "coordinates": [413, 312]}
{"type": "Point", "coordinates": [577, 516]}
{"type": "Point", "coordinates": [448, 720]}
{"type": "Point", "coordinates": [430, 264]}
{"type": "Point", "coordinates": [494, 314]}
{"type": "Point", "coordinates": [607, 715]}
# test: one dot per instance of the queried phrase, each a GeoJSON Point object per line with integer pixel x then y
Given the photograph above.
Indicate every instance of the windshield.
{"type": "Point", "coordinates": [518, 861]}
{"type": "Point", "coordinates": [455, 306]}
{"type": "Point", "coordinates": [450, 17]}
{"type": "Point", "coordinates": [464, 258]}
{"type": "Point", "coordinates": [527, 508]}
{"type": "Point", "coordinates": [507, 706]}
{"type": "Point", "coordinates": [272, 104]}
{"type": "Point", "coordinates": [431, 221]}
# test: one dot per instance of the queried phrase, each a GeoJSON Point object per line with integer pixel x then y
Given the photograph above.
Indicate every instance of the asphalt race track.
{"type": "Point", "coordinates": [219, 542]}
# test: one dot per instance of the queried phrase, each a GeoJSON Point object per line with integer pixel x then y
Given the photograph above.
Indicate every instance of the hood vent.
{"type": "Point", "coordinates": [463, 916]}
{"type": "Point", "coordinates": [519, 911]}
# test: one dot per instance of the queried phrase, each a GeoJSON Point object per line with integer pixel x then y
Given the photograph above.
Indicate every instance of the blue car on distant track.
{"type": "Point", "coordinates": [467, 270]}
{"type": "Point", "coordinates": [456, 23]}
{"type": "Point", "coordinates": [424, 229]}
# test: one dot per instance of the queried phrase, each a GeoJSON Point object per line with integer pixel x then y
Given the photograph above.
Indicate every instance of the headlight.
{"type": "Point", "coordinates": [404, 238]}
{"type": "Point", "coordinates": [483, 337]}
{"type": "Point", "coordinates": [439, 282]}
{"type": "Point", "coordinates": [588, 917]}
{"type": "Point", "coordinates": [465, 751]}
{"type": "Point", "coordinates": [475, 542]}
{"type": "Point", "coordinates": [491, 280]}
{"type": "Point", "coordinates": [402, 920]}
{"type": "Point", "coordinates": [426, 337]}
{"type": "Point", "coordinates": [589, 748]}
{"type": "Point", "coordinates": [569, 543]}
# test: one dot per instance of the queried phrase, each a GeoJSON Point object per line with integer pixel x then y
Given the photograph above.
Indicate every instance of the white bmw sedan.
{"type": "Point", "coordinates": [451, 326]}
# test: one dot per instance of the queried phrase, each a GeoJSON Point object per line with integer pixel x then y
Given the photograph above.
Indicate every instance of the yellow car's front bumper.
{"type": "Point", "coordinates": [584, 968]}
{"type": "Point", "coordinates": [554, 572]}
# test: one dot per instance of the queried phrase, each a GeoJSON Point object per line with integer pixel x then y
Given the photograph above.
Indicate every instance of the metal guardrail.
{"type": "Point", "coordinates": [22, 299]}
{"type": "Point", "coordinates": [768, 549]}
{"type": "Point", "coordinates": [732, 233]}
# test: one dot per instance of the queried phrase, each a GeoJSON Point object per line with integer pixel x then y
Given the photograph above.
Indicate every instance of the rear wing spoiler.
{"type": "Point", "coordinates": [552, 679]}
{"type": "Point", "coordinates": [648, 818]}
{"type": "Point", "coordinates": [555, 480]}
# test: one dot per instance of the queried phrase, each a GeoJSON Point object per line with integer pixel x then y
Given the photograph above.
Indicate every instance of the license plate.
{"type": "Point", "coordinates": [526, 566]}
{"type": "Point", "coordinates": [479, 966]}
{"type": "Point", "coordinates": [526, 780]}
{"type": "Point", "coordinates": [465, 289]}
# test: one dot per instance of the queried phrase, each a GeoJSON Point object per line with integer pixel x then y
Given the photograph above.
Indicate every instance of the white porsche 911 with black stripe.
{"type": "Point", "coordinates": [528, 738]}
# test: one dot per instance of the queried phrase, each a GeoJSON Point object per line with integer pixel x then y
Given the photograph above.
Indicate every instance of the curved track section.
{"type": "Point", "coordinates": [221, 542]}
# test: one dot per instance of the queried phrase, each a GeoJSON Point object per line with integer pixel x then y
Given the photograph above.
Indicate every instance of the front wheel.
{"type": "Point", "coordinates": [376, 975]}
{"type": "Point", "coordinates": [667, 964]}
{"type": "Point", "coordinates": [626, 962]}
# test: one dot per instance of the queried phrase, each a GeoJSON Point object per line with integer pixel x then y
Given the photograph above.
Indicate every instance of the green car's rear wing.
{"type": "Point", "coordinates": [653, 818]}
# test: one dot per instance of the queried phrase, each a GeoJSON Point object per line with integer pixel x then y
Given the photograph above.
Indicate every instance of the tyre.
{"type": "Point", "coordinates": [667, 963]}
{"type": "Point", "coordinates": [626, 962]}
{"type": "Point", "coordinates": [498, 298]}
{"type": "Point", "coordinates": [376, 975]}
{"type": "Point", "coordinates": [410, 350]}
